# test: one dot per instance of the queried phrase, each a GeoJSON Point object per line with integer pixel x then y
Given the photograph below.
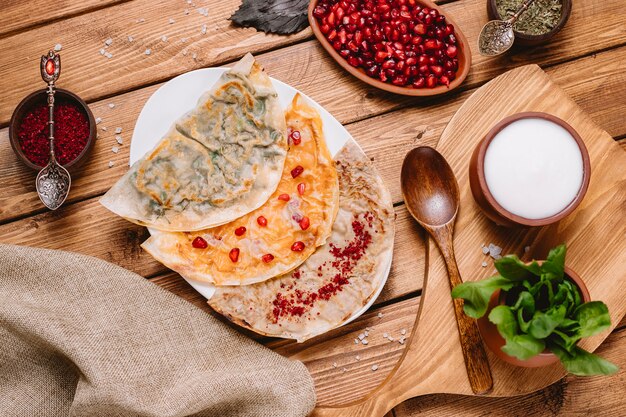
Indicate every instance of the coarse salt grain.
{"type": "Point", "coordinates": [141, 20]}
{"type": "Point", "coordinates": [385, 335]}
{"type": "Point", "coordinates": [484, 264]}
{"type": "Point", "coordinates": [334, 364]}
{"type": "Point", "coordinates": [344, 369]}
{"type": "Point", "coordinates": [380, 315]}
{"type": "Point", "coordinates": [118, 130]}
{"type": "Point", "coordinates": [203, 30]}
{"type": "Point", "coordinates": [361, 336]}
{"type": "Point", "coordinates": [98, 120]}
{"type": "Point", "coordinates": [58, 47]}
{"type": "Point", "coordinates": [111, 105]}
{"type": "Point", "coordinates": [130, 39]}
{"type": "Point", "coordinates": [194, 55]}
{"type": "Point", "coordinates": [357, 357]}
{"type": "Point", "coordinates": [184, 52]}
{"type": "Point", "coordinates": [374, 367]}
{"type": "Point", "coordinates": [108, 42]}
{"type": "Point", "coordinates": [104, 128]}
{"type": "Point", "coordinates": [111, 164]}
{"type": "Point", "coordinates": [183, 40]}
{"type": "Point", "coordinates": [119, 139]}
{"type": "Point", "coordinates": [102, 51]}
{"type": "Point", "coordinates": [171, 21]}
{"type": "Point", "coordinates": [391, 339]}
{"type": "Point", "coordinates": [186, 11]}
{"type": "Point", "coordinates": [403, 332]}
{"type": "Point", "coordinates": [164, 38]}
{"type": "Point", "coordinates": [148, 51]}
{"type": "Point", "coordinates": [364, 341]}
{"type": "Point", "coordinates": [401, 340]}
{"type": "Point", "coordinates": [356, 341]}
{"type": "Point", "coordinates": [485, 250]}
{"type": "Point", "coordinates": [367, 333]}
{"type": "Point", "coordinates": [108, 55]}
{"type": "Point", "coordinates": [115, 149]}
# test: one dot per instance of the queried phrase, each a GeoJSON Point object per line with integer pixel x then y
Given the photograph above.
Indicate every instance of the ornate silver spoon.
{"type": "Point", "coordinates": [497, 36]}
{"type": "Point", "coordinates": [53, 181]}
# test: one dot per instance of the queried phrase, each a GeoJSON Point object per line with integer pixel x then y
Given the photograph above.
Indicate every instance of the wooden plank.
{"type": "Point", "coordinates": [572, 396]}
{"type": "Point", "coordinates": [386, 138]}
{"type": "Point", "coordinates": [19, 15]}
{"type": "Point", "coordinates": [91, 75]}
{"type": "Point", "coordinates": [87, 227]}
{"type": "Point", "coordinates": [592, 27]}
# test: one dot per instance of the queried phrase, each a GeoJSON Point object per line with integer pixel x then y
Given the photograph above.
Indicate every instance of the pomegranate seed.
{"type": "Point", "coordinates": [234, 254]}
{"type": "Point", "coordinates": [262, 221]}
{"type": "Point", "coordinates": [284, 197]}
{"type": "Point", "coordinates": [354, 61]}
{"type": "Point", "coordinates": [325, 28]}
{"type": "Point", "coordinates": [199, 243]}
{"type": "Point", "coordinates": [267, 258]}
{"type": "Point", "coordinates": [304, 223]}
{"type": "Point", "coordinates": [399, 80]}
{"type": "Point", "coordinates": [339, 13]}
{"type": "Point", "coordinates": [431, 81]}
{"type": "Point", "coordinates": [319, 12]}
{"type": "Point", "coordinates": [437, 70]}
{"type": "Point", "coordinates": [296, 171]}
{"type": "Point", "coordinates": [420, 29]}
{"type": "Point", "coordinates": [430, 44]}
{"type": "Point", "coordinates": [295, 137]}
{"type": "Point", "coordinates": [389, 64]}
{"type": "Point", "coordinates": [240, 231]}
{"type": "Point", "coordinates": [419, 83]}
{"type": "Point", "coordinates": [301, 187]}
{"type": "Point", "coordinates": [332, 35]}
{"type": "Point", "coordinates": [297, 246]}
{"type": "Point", "coordinates": [451, 51]}
{"type": "Point", "coordinates": [444, 80]}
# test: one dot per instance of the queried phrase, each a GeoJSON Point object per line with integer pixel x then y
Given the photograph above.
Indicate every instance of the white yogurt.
{"type": "Point", "coordinates": [534, 168]}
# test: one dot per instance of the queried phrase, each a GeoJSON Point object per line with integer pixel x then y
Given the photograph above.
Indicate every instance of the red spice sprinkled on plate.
{"type": "Point", "coordinates": [267, 258]}
{"type": "Point", "coordinates": [240, 231]}
{"type": "Point", "coordinates": [262, 221]}
{"type": "Point", "coordinates": [284, 197]}
{"type": "Point", "coordinates": [301, 188]}
{"type": "Point", "coordinates": [295, 302]}
{"type": "Point", "coordinates": [234, 254]}
{"type": "Point", "coordinates": [199, 243]}
{"type": "Point", "coordinates": [297, 171]}
{"type": "Point", "coordinates": [71, 132]}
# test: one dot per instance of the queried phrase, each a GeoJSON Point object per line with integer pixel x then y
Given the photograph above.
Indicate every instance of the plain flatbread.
{"type": "Point", "coordinates": [218, 162]}
{"type": "Point", "coordinates": [339, 278]}
{"type": "Point", "coordinates": [312, 196]}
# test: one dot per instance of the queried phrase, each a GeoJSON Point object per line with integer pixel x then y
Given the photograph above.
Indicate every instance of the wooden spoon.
{"type": "Point", "coordinates": [431, 194]}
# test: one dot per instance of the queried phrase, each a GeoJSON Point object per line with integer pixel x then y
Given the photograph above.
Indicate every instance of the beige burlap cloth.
{"type": "Point", "coordinates": [82, 337]}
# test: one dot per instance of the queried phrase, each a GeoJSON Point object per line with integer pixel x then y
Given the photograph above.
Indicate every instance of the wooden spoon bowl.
{"type": "Point", "coordinates": [463, 55]}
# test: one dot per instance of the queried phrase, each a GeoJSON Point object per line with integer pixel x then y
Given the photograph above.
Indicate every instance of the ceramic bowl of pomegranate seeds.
{"type": "Point", "coordinates": [74, 130]}
{"type": "Point", "coordinates": [408, 47]}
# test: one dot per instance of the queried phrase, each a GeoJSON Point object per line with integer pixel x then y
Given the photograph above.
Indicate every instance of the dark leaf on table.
{"type": "Point", "coordinates": [273, 16]}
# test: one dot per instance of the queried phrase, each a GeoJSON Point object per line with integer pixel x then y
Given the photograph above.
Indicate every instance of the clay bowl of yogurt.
{"type": "Point", "coordinates": [531, 169]}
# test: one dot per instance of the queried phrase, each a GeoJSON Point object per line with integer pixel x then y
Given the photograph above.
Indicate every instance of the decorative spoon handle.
{"type": "Point", "coordinates": [519, 11]}
{"type": "Point", "coordinates": [50, 71]}
{"type": "Point", "coordinates": [476, 362]}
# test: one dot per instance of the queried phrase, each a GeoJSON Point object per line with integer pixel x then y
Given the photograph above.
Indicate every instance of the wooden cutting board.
{"type": "Point", "coordinates": [595, 235]}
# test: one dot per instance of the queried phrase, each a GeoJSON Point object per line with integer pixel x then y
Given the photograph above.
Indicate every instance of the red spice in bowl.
{"type": "Point", "coordinates": [74, 133]}
{"type": "Point", "coordinates": [399, 42]}
{"type": "Point", "coordinates": [71, 132]}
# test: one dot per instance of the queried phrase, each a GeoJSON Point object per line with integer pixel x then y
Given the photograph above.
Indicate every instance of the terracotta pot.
{"type": "Point", "coordinates": [494, 341]}
{"type": "Point", "coordinates": [531, 40]}
{"type": "Point", "coordinates": [464, 56]}
{"type": "Point", "coordinates": [485, 200]}
{"type": "Point", "coordinates": [39, 97]}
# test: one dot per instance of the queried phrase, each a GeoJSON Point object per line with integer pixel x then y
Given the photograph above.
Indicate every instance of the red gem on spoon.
{"type": "Point", "coordinates": [50, 67]}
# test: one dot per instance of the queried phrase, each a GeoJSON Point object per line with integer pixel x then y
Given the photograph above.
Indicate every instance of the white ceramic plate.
{"type": "Point", "coordinates": [179, 95]}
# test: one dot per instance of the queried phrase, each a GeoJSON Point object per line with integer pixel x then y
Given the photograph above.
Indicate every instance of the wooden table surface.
{"type": "Point", "coordinates": [587, 59]}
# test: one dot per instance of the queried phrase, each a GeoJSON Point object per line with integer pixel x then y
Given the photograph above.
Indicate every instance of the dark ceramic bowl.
{"type": "Point", "coordinates": [494, 341]}
{"type": "Point", "coordinates": [37, 98]}
{"type": "Point", "coordinates": [531, 40]}
{"type": "Point", "coordinates": [485, 199]}
{"type": "Point", "coordinates": [463, 55]}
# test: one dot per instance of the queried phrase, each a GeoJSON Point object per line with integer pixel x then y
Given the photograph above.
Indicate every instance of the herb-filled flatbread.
{"type": "Point", "coordinates": [218, 162]}
{"type": "Point", "coordinates": [339, 278]}
{"type": "Point", "coordinates": [278, 236]}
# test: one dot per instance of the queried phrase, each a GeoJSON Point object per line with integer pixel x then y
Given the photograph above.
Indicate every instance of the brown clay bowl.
{"type": "Point", "coordinates": [531, 40]}
{"type": "Point", "coordinates": [464, 57]}
{"type": "Point", "coordinates": [494, 341]}
{"type": "Point", "coordinates": [39, 97]}
{"type": "Point", "coordinates": [485, 200]}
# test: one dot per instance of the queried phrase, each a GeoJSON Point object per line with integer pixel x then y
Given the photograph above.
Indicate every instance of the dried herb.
{"type": "Point", "coordinates": [541, 17]}
{"type": "Point", "coordinates": [273, 16]}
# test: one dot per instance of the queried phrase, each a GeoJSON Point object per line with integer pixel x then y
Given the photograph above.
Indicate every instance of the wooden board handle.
{"type": "Point", "coordinates": [476, 362]}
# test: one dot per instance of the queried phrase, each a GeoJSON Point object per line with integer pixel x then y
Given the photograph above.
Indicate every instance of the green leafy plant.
{"type": "Point", "coordinates": [542, 309]}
